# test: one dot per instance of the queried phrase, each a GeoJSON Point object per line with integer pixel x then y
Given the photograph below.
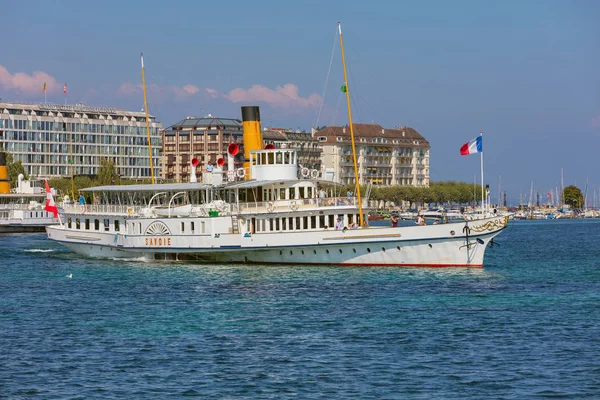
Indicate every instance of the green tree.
{"type": "Point", "coordinates": [14, 169]}
{"type": "Point", "coordinates": [572, 196]}
{"type": "Point", "coordinates": [108, 173]}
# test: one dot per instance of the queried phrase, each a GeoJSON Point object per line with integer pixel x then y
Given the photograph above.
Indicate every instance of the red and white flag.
{"type": "Point", "coordinates": [50, 206]}
{"type": "Point", "coordinates": [65, 89]}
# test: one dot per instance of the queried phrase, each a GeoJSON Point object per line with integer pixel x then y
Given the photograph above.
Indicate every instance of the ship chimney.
{"type": "Point", "coordinates": [252, 134]}
{"type": "Point", "coordinates": [4, 183]}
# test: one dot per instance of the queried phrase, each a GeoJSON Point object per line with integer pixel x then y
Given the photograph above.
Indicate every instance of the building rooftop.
{"type": "Point", "coordinates": [206, 123]}
{"type": "Point", "coordinates": [400, 136]}
{"type": "Point", "coordinates": [70, 111]}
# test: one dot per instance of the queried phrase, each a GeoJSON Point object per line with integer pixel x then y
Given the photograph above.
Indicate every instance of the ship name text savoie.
{"type": "Point", "coordinates": [158, 241]}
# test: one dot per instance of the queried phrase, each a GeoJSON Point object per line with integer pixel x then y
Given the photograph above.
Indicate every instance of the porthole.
{"type": "Point", "coordinates": [314, 251]}
{"type": "Point", "coordinates": [480, 241]}
{"type": "Point", "coordinates": [430, 245]}
{"type": "Point", "coordinates": [383, 249]}
{"type": "Point", "coordinates": [354, 250]}
{"type": "Point", "coordinates": [368, 250]}
{"type": "Point", "coordinates": [398, 247]}
{"type": "Point", "coordinates": [452, 233]}
{"type": "Point", "coordinates": [280, 252]}
{"type": "Point", "coordinates": [291, 253]}
{"type": "Point", "coordinates": [302, 252]}
{"type": "Point", "coordinates": [327, 251]}
{"type": "Point", "coordinates": [340, 251]}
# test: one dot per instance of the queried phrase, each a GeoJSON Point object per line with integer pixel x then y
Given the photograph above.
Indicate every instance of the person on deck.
{"type": "Point", "coordinates": [338, 225]}
{"type": "Point", "coordinates": [81, 199]}
{"type": "Point", "coordinates": [394, 221]}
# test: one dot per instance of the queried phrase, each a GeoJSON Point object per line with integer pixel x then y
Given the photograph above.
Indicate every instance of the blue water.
{"type": "Point", "coordinates": [527, 325]}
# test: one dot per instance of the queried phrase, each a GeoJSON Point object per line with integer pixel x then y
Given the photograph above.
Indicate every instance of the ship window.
{"type": "Point", "coordinates": [87, 224]}
{"type": "Point", "coordinates": [271, 224]}
{"type": "Point", "coordinates": [313, 222]}
{"type": "Point", "coordinates": [69, 223]}
{"type": "Point", "coordinates": [277, 228]}
{"type": "Point", "coordinates": [117, 225]}
{"type": "Point", "coordinates": [202, 227]}
{"type": "Point", "coordinates": [140, 227]}
{"type": "Point", "coordinates": [304, 223]}
{"type": "Point", "coordinates": [77, 223]}
{"type": "Point", "coordinates": [331, 220]}
{"type": "Point", "coordinates": [291, 223]}
{"type": "Point", "coordinates": [321, 221]}
{"type": "Point", "coordinates": [192, 226]}
{"type": "Point", "coordinates": [182, 227]}
{"type": "Point", "coordinates": [96, 224]}
{"type": "Point", "coordinates": [298, 226]}
{"type": "Point", "coordinates": [283, 224]}
{"type": "Point", "coordinates": [106, 224]}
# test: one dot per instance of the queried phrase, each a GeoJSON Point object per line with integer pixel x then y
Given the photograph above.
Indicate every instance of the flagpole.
{"type": "Point", "coordinates": [482, 201]}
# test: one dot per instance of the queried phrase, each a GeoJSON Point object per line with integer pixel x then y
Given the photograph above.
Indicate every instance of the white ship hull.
{"type": "Point", "coordinates": [444, 245]}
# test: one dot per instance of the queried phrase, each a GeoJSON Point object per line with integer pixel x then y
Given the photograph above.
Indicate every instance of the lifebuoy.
{"type": "Point", "coordinates": [270, 207]}
{"type": "Point", "coordinates": [314, 173]}
{"type": "Point", "coordinates": [293, 205]}
{"type": "Point", "coordinates": [304, 171]}
{"type": "Point", "coordinates": [241, 173]}
{"type": "Point", "coordinates": [130, 211]}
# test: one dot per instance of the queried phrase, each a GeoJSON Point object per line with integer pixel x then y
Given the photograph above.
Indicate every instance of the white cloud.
{"type": "Point", "coordinates": [285, 96]}
{"type": "Point", "coordinates": [28, 84]}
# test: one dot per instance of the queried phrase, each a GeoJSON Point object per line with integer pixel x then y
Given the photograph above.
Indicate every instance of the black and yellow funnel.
{"type": "Point", "coordinates": [4, 183]}
{"type": "Point", "coordinates": [252, 134]}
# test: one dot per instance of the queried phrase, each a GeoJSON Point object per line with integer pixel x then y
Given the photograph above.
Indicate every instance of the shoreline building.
{"type": "Point", "coordinates": [385, 157]}
{"type": "Point", "coordinates": [47, 137]}
{"type": "Point", "coordinates": [204, 138]}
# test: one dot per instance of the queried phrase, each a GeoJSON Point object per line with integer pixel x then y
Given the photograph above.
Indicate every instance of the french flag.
{"type": "Point", "coordinates": [50, 205]}
{"type": "Point", "coordinates": [472, 146]}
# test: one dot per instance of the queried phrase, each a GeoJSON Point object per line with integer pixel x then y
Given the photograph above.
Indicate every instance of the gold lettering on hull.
{"type": "Point", "coordinates": [157, 241]}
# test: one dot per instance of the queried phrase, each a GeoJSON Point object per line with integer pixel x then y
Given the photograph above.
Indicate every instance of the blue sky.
{"type": "Point", "coordinates": [524, 72]}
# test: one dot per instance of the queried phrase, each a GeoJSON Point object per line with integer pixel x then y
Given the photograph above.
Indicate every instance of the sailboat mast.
{"type": "Point", "coordinates": [360, 210]}
{"type": "Point", "coordinates": [147, 119]}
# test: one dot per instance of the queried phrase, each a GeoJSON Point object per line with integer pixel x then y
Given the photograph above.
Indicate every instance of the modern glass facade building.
{"type": "Point", "coordinates": [45, 137]}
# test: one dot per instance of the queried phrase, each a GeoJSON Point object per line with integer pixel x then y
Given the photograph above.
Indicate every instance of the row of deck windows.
{"type": "Point", "coordinates": [313, 222]}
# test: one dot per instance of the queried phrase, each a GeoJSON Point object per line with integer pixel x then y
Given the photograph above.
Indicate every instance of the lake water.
{"type": "Point", "coordinates": [527, 325]}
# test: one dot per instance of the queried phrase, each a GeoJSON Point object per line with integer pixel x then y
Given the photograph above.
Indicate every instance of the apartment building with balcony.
{"type": "Point", "coordinates": [385, 157]}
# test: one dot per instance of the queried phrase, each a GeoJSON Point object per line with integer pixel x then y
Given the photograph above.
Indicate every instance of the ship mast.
{"type": "Point", "coordinates": [346, 89]}
{"type": "Point", "coordinates": [147, 120]}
